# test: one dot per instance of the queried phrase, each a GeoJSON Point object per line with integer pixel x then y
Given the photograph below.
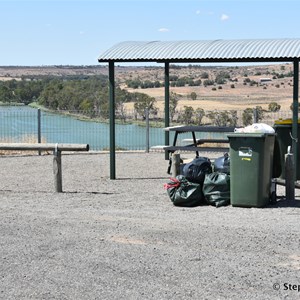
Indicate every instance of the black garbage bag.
{"type": "Point", "coordinates": [216, 189]}
{"type": "Point", "coordinates": [222, 164]}
{"type": "Point", "coordinates": [196, 170]}
{"type": "Point", "coordinates": [184, 193]}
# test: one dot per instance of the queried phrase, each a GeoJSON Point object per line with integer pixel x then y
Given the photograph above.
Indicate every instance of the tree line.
{"type": "Point", "coordinates": [88, 94]}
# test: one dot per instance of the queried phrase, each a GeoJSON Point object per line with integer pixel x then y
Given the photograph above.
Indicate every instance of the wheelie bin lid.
{"type": "Point", "coordinates": [248, 135]}
{"type": "Point", "coordinates": [284, 122]}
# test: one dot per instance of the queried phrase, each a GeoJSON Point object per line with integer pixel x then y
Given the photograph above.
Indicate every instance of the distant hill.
{"type": "Point", "coordinates": [10, 72]}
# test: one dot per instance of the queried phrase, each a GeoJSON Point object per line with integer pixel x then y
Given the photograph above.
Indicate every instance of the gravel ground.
{"type": "Point", "coordinates": [124, 239]}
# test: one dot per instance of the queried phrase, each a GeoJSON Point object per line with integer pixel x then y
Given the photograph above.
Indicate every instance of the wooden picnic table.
{"type": "Point", "coordinates": [193, 147]}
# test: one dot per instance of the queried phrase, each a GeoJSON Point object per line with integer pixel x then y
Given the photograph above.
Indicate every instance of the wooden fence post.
{"type": "Point", "coordinates": [289, 176]}
{"type": "Point", "coordinates": [56, 148]}
{"type": "Point", "coordinates": [175, 164]}
{"type": "Point", "coordinates": [255, 115]}
{"type": "Point", "coordinates": [57, 170]}
{"type": "Point", "coordinates": [147, 130]}
{"type": "Point", "coordinates": [39, 128]}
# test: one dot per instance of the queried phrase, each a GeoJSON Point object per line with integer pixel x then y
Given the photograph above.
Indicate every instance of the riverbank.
{"type": "Point", "coordinates": [80, 115]}
{"type": "Point", "coordinates": [124, 239]}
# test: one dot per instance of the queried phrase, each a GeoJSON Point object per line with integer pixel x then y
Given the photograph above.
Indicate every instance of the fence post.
{"type": "Point", "coordinates": [175, 164]}
{"type": "Point", "coordinates": [255, 115]}
{"type": "Point", "coordinates": [57, 170]}
{"type": "Point", "coordinates": [289, 176]}
{"type": "Point", "coordinates": [39, 128]}
{"type": "Point", "coordinates": [147, 129]}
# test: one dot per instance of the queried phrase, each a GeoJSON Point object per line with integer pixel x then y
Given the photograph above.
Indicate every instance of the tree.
{"type": "Point", "coordinates": [223, 118]}
{"type": "Point", "coordinates": [233, 118]}
{"type": "Point", "coordinates": [144, 101]}
{"type": "Point", "coordinates": [6, 95]}
{"type": "Point", "coordinates": [173, 104]}
{"type": "Point", "coordinates": [199, 114]}
{"type": "Point", "coordinates": [193, 96]}
{"type": "Point", "coordinates": [292, 107]}
{"type": "Point", "coordinates": [187, 115]}
{"type": "Point", "coordinates": [121, 111]}
{"type": "Point", "coordinates": [273, 107]}
{"type": "Point", "coordinates": [248, 115]}
{"type": "Point", "coordinates": [259, 112]}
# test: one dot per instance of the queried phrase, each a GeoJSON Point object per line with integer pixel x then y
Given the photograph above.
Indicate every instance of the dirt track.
{"type": "Point", "coordinates": [123, 239]}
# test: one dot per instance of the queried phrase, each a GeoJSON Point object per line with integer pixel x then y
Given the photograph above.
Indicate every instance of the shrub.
{"type": "Point", "coordinates": [193, 96]}
{"type": "Point", "coordinates": [204, 75]}
{"type": "Point", "coordinates": [273, 106]}
{"type": "Point", "coordinates": [208, 82]}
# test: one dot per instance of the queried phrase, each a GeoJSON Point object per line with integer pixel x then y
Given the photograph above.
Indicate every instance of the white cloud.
{"type": "Point", "coordinates": [204, 12]}
{"type": "Point", "coordinates": [163, 29]}
{"type": "Point", "coordinates": [224, 17]}
{"type": "Point", "coordinates": [81, 32]}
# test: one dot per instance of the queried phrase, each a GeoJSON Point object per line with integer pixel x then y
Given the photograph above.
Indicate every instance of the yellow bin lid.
{"type": "Point", "coordinates": [284, 122]}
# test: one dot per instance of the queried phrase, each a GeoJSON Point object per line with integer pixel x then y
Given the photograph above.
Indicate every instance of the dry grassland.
{"type": "Point", "coordinates": [224, 97]}
{"type": "Point", "coordinates": [227, 98]}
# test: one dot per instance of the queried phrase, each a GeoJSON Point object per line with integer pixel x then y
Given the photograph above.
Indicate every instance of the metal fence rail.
{"type": "Point", "coordinates": [25, 124]}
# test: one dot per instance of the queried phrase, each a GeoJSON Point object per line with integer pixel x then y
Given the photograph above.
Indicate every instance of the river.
{"type": "Point", "coordinates": [20, 124]}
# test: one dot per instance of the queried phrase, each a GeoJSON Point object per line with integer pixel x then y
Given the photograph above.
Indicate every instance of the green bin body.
{"type": "Point", "coordinates": [283, 129]}
{"type": "Point", "coordinates": [251, 164]}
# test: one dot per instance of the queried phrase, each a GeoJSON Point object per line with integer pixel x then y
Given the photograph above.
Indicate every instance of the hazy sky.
{"type": "Point", "coordinates": [75, 32]}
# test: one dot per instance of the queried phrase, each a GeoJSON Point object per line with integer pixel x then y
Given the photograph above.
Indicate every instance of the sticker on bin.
{"type": "Point", "coordinates": [245, 152]}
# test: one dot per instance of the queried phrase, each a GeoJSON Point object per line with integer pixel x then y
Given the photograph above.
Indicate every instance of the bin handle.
{"type": "Point", "coordinates": [294, 139]}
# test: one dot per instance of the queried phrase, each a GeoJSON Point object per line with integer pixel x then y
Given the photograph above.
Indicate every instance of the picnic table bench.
{"type": "Point", "coordinates": [196, 142]}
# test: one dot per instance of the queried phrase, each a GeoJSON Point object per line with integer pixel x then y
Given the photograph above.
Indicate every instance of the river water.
{"type": "Point", "coordinates": [20, 124]}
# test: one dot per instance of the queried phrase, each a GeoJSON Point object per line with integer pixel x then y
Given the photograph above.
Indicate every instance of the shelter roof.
{"type": "Point", "coordinates": [204, 51]}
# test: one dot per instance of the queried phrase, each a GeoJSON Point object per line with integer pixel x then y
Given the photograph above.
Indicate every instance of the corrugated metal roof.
{"type": "Point", "coordinates": [215, 50]}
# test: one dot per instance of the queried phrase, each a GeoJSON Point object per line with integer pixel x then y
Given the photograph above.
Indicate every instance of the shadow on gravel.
{"type": "Point", "coordinates": [142, 178]}
{"type": "Point", "coordinates": [92, 193]}
{"type": "Point", "coordinates": [67, 192]}
{"type": "Point", "coordinates": [285, 203]}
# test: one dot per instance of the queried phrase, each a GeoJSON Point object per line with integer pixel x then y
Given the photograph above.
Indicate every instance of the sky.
{"type": "Point", "coordinates": [76, 32]}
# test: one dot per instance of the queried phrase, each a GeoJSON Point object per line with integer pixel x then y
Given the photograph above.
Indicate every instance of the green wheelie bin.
{"type": "Point", "coordinates": [251, 164]}
{"type": "Point", "coordinates": [283, 129]}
